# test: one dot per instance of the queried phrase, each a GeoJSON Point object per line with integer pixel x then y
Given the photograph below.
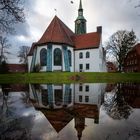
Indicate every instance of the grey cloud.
{"type": "Point", "coordinates": [112, 15]}
{"type": "Point", "coordinates": [22, 29]}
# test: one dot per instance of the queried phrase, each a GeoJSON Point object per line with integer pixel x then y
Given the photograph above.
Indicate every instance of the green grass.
{"type": "Point", "coordinates": [67, 77]}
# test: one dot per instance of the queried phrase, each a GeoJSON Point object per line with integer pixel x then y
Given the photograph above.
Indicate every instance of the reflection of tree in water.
{"type": "Point", "coordinates": [5, 88]}
{"type": "Point", "coordinates": [25, 96]}
{"type": "Point", "coordinates": [6, 100]}
{"type": "Point", "coordinates": [115, 105]}
{"type": "Point", "coordinates": [12, 125]}
{"type": "Point", "coordinates": [15, 129]}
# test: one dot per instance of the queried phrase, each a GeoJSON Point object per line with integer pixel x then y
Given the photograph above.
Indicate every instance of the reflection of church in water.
{"type": "Point", "coordinates": [62, 103]}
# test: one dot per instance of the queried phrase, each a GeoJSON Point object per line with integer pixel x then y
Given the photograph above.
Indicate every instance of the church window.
{"type": "Point", "coordinates": [43, 57]}
{"type": "Point", "coordinates": [87, 88]}
{"type": "Point", "coordinates": [80, 67]}
{"type": "Point", "coordinates": [58, 97]}
{"type": "Point", "coordinates": [57, 57]}
{"type": "Point", "coordinates": [87, 66]}
{"type": "Point", "coordinates": [69, 55]}
{"type": "Point", "coordinates": [86, 98]}
{"type": "Point", "coordinates": [80, 98]}
{"type": "Point", "coordinates": [87, 54]}
{"type": "Point", "coordinates": [44, 97]}
{"type": "Point", "coordinates": [80, 55]}
{"type": "Point", "coordinates": [80, 87]}
{"type": "Point", "coordinates": [69, 97]}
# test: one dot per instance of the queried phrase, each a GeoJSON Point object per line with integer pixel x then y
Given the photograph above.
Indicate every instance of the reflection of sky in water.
{"type": "Point", "coordinates": [113, 129]}
{"type": "Point", "coordinates": [39, 127]}
{"type": "Point", "coordinates": [42, 128]}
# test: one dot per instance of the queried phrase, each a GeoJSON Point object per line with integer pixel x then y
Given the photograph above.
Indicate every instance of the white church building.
{"type": "Point", "coordinates": [60, 49]}
{"type": "Point", "coordinates": [67, 95]}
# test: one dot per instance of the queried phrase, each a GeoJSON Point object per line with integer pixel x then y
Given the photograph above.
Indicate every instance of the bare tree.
{"type": "Point", "coordinates": [4, 46]}
{"type": "Point", "coordinates": [119, 44]}
{"type": "Point", "coordinates": [11, 12]}
{"type": "Point", "coordinates": [116, 106]}
{"type": "Point", "coordinates": [22, 54]}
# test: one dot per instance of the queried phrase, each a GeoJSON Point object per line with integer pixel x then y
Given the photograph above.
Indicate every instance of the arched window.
{"type": "Point", "coordinates": [43, 57]}
{"type": "Point", "coordinates": [58, 97]}
{"type": "Point", "coordinates": [44, 97]}
{"type": "Point", "coordinates": [57, 57]}
{"type": "Point", "coordinates": [69, 97]}
{"type": "Point", "coordinates": [80, 55]}
{"type": "Point", "coordinates": [69, 55]}
{"type": "Point", "coordinates": [87, 54]}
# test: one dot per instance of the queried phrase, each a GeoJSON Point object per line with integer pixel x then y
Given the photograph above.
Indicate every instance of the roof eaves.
{"type": "Point", "coordinates": [69, 39]}
{"type": "Point", "coordinates": [85, 48]}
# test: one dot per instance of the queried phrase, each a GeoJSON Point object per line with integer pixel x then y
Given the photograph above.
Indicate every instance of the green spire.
{"type": "Point", "coordinates": [80, 6]}
{"type": "Point", "coordinates": [80, 11]}
{"type": "Point", "coordinates": [80, 23]}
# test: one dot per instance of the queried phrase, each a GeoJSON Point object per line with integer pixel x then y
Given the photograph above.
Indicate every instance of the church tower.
{"type": "Point", "coordinates": [79, 126]}
{"type": "Point", "coordinates": [80, 22]}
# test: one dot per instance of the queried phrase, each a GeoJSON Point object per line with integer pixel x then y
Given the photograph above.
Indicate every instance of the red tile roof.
{"type": "Point", "coordinates": [58, 118]}
{"type": "Point", "coordinates": [57, 32]}
{"type": "Point", "coordinates": [86, 110]}
{"type": "Point", "coordinates": [89, 40]}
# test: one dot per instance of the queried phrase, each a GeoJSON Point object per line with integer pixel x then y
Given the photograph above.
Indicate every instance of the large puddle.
{"type": "Point", "coordinates": [86, 111]}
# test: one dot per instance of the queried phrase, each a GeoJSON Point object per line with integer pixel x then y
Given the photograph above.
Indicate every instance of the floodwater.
{"type": "Point", "coordinates": [87, 111]}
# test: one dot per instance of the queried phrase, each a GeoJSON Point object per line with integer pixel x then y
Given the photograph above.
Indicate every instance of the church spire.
{"type": "Point", "coordinates": [80, 10]}
{"type": "Point", "coordinates": [80, 22]}
{"type": "Point", "coordinates": [80, 5]}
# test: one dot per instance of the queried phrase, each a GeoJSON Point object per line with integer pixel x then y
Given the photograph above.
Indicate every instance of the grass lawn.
{"type": "Point", "coordinates": [69, 77]}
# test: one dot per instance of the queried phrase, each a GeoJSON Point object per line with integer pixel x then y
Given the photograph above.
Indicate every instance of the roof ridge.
{"type": "Point", "coordinates": [52, 27]}
{"type": "Point", "coordinates": [67, 34]}
{"type": "Point", "coordinates": [86, 34]}
{"type": "Point", "coordinates": [62, 26]}
{"type": "Point", "coordinates": [65, 25]}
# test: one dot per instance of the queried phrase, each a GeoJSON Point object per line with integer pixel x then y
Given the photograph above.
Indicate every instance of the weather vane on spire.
{"type": "Point", "coordinates": [55, 11]}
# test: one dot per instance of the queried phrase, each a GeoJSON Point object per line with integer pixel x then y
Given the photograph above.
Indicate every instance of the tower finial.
{"type": "Point", "coordinates": [55, 11]}
{"type": "Point", "coordinates": [80, 6]}
{"type": "Point", "coordinates": [80, 22]}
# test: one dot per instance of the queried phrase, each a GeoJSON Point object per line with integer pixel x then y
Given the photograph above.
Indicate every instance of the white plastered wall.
{"type": "Point", "coordinates": [29, 59]}
{"type": "Point", "coordinates": [94, 60]}
{"type": "Point", "coordinates": [94, 93]}
{"type": "Point", "coordinates": [55, 68]}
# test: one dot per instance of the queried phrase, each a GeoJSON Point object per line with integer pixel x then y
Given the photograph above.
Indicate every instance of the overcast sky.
{"type": "Point", "coordinates": [112, 15]}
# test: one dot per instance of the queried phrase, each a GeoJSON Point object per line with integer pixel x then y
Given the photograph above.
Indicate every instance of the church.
{"type": "Point", "coordinates": [60, 49]}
